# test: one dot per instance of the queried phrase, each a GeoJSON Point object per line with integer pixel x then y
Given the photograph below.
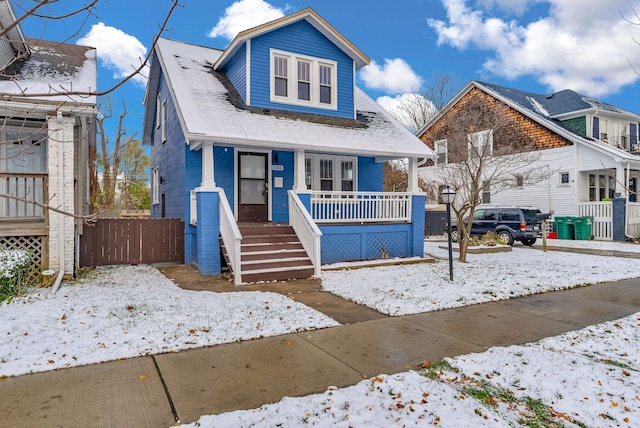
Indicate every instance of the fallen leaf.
{"type": "Point", "coordinates": [286, 343]}
{"type": "Point", "coordinates": [614, 403]}
{"type": "Point", "coordinates": [51, 361]}
{"type": "Point", "coordinates": [424, 364]}
{"type": "Point", "coordinates": [64, 317]}
{"type": "Point", "coordinates": [143, 377]}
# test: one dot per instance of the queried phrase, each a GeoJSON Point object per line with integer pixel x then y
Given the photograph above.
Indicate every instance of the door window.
{"type": "Point", "coordinates": [252, 179]}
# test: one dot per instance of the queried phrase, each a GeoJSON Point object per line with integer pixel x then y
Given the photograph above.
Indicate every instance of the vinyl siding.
{"type": "Point", "coordinates": [279, 196]}
{"type": "Point", "coordinates": [300, 38]}
{"type": "Point", "coordinates": [369, 175]}
{"type": "Point", "coordinates": [236, 71]}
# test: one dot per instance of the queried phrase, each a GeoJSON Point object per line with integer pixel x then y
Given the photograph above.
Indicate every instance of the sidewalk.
{"type": "Point", "coordinates": [155, 391]}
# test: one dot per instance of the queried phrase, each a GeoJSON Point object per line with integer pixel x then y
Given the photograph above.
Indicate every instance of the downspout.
{"type": "Point", "coordinates": [56, 284]}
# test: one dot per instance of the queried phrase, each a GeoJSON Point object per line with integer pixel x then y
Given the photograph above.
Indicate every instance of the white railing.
{"type": "Point", "coordinates": [359, 207]}
{"type": "Point", "coordinates": [307, 231]}
{"type": "Point", "coordinates": [27, 188]}
{"type": "Point", "coordinates": [633, 219]}
{"type": "Point", "coordinates": [231, 237]}
{"type": "Point", "coordinates": [601, 212]}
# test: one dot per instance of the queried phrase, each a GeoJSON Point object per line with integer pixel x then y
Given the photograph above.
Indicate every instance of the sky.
{"type": "Point", "coordinates": [542, 46]}
{"type": "Point", "coordinates": [114, 313]}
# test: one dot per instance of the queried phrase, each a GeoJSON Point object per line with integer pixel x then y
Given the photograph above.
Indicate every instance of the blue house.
{"type": "Point", "coordinates": [273, 157]}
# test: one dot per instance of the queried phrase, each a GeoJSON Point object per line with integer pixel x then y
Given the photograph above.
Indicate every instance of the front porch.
{"type": "Point", "coordinates": [331, 227]}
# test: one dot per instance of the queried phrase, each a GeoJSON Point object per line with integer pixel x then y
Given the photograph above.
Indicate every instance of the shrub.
{"type": "Point", "coordinates": [13, 273]}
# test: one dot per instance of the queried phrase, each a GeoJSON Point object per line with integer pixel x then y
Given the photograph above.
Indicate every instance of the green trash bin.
{"type": "Point", "coordinates": [564, 227]}
{"type": "Point", "coordinates": [582, 227]}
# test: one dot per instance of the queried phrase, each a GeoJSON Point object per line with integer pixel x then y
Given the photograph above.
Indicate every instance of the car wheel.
{"type": "Point", "coordinates": [454, 235]}
{"type": "Point", "coordinates": [529, 241]}
{"type": "Point", "coordinates": [506, 236]}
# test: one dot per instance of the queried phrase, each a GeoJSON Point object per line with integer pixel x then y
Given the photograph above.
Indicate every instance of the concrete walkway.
{"type": "Point", "coordinates": [156, 391]}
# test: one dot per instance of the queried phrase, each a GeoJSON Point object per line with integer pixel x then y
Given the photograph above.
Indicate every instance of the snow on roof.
{"type": "Point", "coordinates": [207, 113]}
{"type": "Point", "coordinates": [51, 72]}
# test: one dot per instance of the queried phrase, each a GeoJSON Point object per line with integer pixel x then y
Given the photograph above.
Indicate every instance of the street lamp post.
{"type": "Point", "coordinates": [448, 195]}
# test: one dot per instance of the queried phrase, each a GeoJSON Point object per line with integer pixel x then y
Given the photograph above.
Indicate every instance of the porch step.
{"type": "Point", "coordinates": [272, 252]}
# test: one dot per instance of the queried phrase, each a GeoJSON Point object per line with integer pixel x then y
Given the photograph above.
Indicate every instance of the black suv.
{"type": "Point", "coordinates": [509, 223]}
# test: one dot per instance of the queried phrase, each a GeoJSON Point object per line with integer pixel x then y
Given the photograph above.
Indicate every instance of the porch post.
{"type": "Point", "coordinates": [412, 176]}
{"type": "Point", "coordinates": [620, 182]}
{"type": "Point", "coordinates": [299, 184]}
{"type": "Point", "coordinates": [208, 181]}
{"type": "Point", "coordinates": [208, 231]}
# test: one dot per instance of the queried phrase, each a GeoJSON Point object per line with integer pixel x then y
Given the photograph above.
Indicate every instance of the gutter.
{"type": "Point", "coordinates": [56, 285]}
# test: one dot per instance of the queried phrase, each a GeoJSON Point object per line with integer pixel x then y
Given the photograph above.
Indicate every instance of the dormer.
{"type": "Point", "coordinates": [297, 63]}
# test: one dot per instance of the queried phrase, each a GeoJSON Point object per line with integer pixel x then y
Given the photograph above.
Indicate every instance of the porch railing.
{"type": "Point", "coordinates": [306, 230]}
{"type": "Point", "coordinates": [601, 212]}
{"type": "Point", "coordinates": [26, 189]}
{"type": "Point", "coordinates": [231, 237]}
{"type": "Point", "coordinates": [360, 207]}
{"type": "Point", "coordinates": [633, 219]}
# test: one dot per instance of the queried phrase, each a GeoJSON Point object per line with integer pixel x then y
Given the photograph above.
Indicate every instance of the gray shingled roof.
{"type": "Point", "coordinates": [555, 104]}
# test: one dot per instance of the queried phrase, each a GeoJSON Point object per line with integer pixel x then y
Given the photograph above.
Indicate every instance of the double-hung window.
{"type": "Point", "coordinates": [480, 144]}
{"type": "Point", "coordinates": [303, 80]}
{"type": "Point", "coordinates": [441, 151]}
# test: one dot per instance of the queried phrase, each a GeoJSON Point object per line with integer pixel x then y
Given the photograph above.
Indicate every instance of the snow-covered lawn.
{"type": "Point", "coordinates": [130, 311]}
{"type": "Point", "coordinates": [409, 289]}
{"type": "Point", "coordinates": [590, 376]}
{"type": "Point", "coordinates": [587, 378]}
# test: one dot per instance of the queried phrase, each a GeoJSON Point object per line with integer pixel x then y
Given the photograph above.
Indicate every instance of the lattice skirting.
{"type": "Point", "coordinates": [36, 245]}
{"type": "Point", "coordinates": [341, 247]}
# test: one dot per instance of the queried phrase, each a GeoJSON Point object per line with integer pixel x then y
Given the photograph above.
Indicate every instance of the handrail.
{"type": "Point", "coordinates": [360, 207]}
{"type": "Point", "coordinates": [231, 236]}
{"type": "Point", "coordinates": [306, 229]}
{"type": "Point", "coordinates": [28, 190]}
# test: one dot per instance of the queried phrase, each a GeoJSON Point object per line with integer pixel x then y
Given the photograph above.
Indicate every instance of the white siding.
{"type": "Point", "coordinates": [590, 159]}
{"type": "Point", "coordinates": [549, 194]}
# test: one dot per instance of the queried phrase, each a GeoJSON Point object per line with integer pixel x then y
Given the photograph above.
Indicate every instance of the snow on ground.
{"type": "Point", "coordinates": [130, 311]}
{"type": "Point", "coordinates": [409, 289]}
{"type": "Point", "coordinates": [588, 377]}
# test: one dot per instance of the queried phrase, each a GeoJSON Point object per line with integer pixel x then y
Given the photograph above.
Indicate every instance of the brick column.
{"type": "Point", "coordinates": [417, 225]}
{"type": "Point", "coordinates": [208, 232]}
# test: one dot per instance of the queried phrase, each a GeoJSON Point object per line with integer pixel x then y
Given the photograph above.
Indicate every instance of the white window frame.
{"type": "Point", "coordinates": [155, 186]}
{"type": "Point", "coordinates": [314, 80]}
{"type": "Point", "coordinates": [560, 174]}
{"type": "Point", "coordinates": [158, 111]}
{"type": "Point", "coordinates": [441, 143]}
{"type": "Point", "coordinates": [484, 138]}
{"type": "Point", "coordinates": [163, 121]}
{"type": "Point", "coordinates": [193, 208]}
{"type": "Point", "coordinates": [336, 171]}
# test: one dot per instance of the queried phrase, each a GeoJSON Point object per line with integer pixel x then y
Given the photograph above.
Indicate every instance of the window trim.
{"type": "Point", "coordinates": [336, 171]}
{"type": "Point", "coordinates": [292, 80]}
{"type": "Point", "coordinates": [163, 121]}
{"type": "Point", "coordinates": [560, 182]}
{"type": "Point", "coordinates": [487, 141]}
{"type": "Point", "coordinates": [155, 186]}
{"type": "Point", "coordinates": [445, 144]}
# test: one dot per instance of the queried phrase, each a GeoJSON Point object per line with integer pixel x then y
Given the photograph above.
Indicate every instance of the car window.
{"type": "Point", "coordinates": [491, 215]}
{"type": "Point", "coordinates": [478, 214]}
{"type": "Point", "coordinates": [511, 215]}
{"type": "Point", "coordinates": [530, 215]}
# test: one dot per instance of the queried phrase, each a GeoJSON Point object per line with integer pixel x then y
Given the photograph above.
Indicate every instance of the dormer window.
{"type": "Point", "coordinates": [303, 80]}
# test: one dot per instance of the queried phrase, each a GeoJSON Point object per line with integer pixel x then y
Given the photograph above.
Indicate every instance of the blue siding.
{"type": "Point", "coordinates": [300, 38]}
{"type": "Point", "coordinates": [280, 197]}
{"type": "Point", "coordinates": [170, 158]}
{"type": "Point", "coordinates": [236, 70]}
{"type": "Point", "coordinates": [223, 161]}
{"type": "Point", "coordinates": [369, 175]}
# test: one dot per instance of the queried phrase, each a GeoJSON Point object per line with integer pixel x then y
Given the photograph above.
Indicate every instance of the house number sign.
{"type": "Point", "coordinates": [277, 167]}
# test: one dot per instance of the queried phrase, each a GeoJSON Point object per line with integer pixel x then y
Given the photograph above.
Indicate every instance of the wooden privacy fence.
{"type": "Point", "coordinates": [118, 241]}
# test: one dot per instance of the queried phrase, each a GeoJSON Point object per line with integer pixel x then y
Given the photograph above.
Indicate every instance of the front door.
{"type": "Point", "coordinates": [253, 182]}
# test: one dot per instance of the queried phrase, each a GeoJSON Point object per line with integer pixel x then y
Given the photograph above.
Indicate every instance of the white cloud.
{"type": "Point", "coordinates": [242, 15]}
{"type": "Point", "coordinates": [116, 50]}
{"type": "Point", "coordinates": [584, 45]}
{"type": "Point", "coordinates": [394, 77]}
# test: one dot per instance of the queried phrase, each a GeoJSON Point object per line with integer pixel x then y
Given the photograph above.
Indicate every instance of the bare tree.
{"type": "Point", "coordinates": [415, 110]}
{"type": "Point", "coordinates": [487, 152]}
